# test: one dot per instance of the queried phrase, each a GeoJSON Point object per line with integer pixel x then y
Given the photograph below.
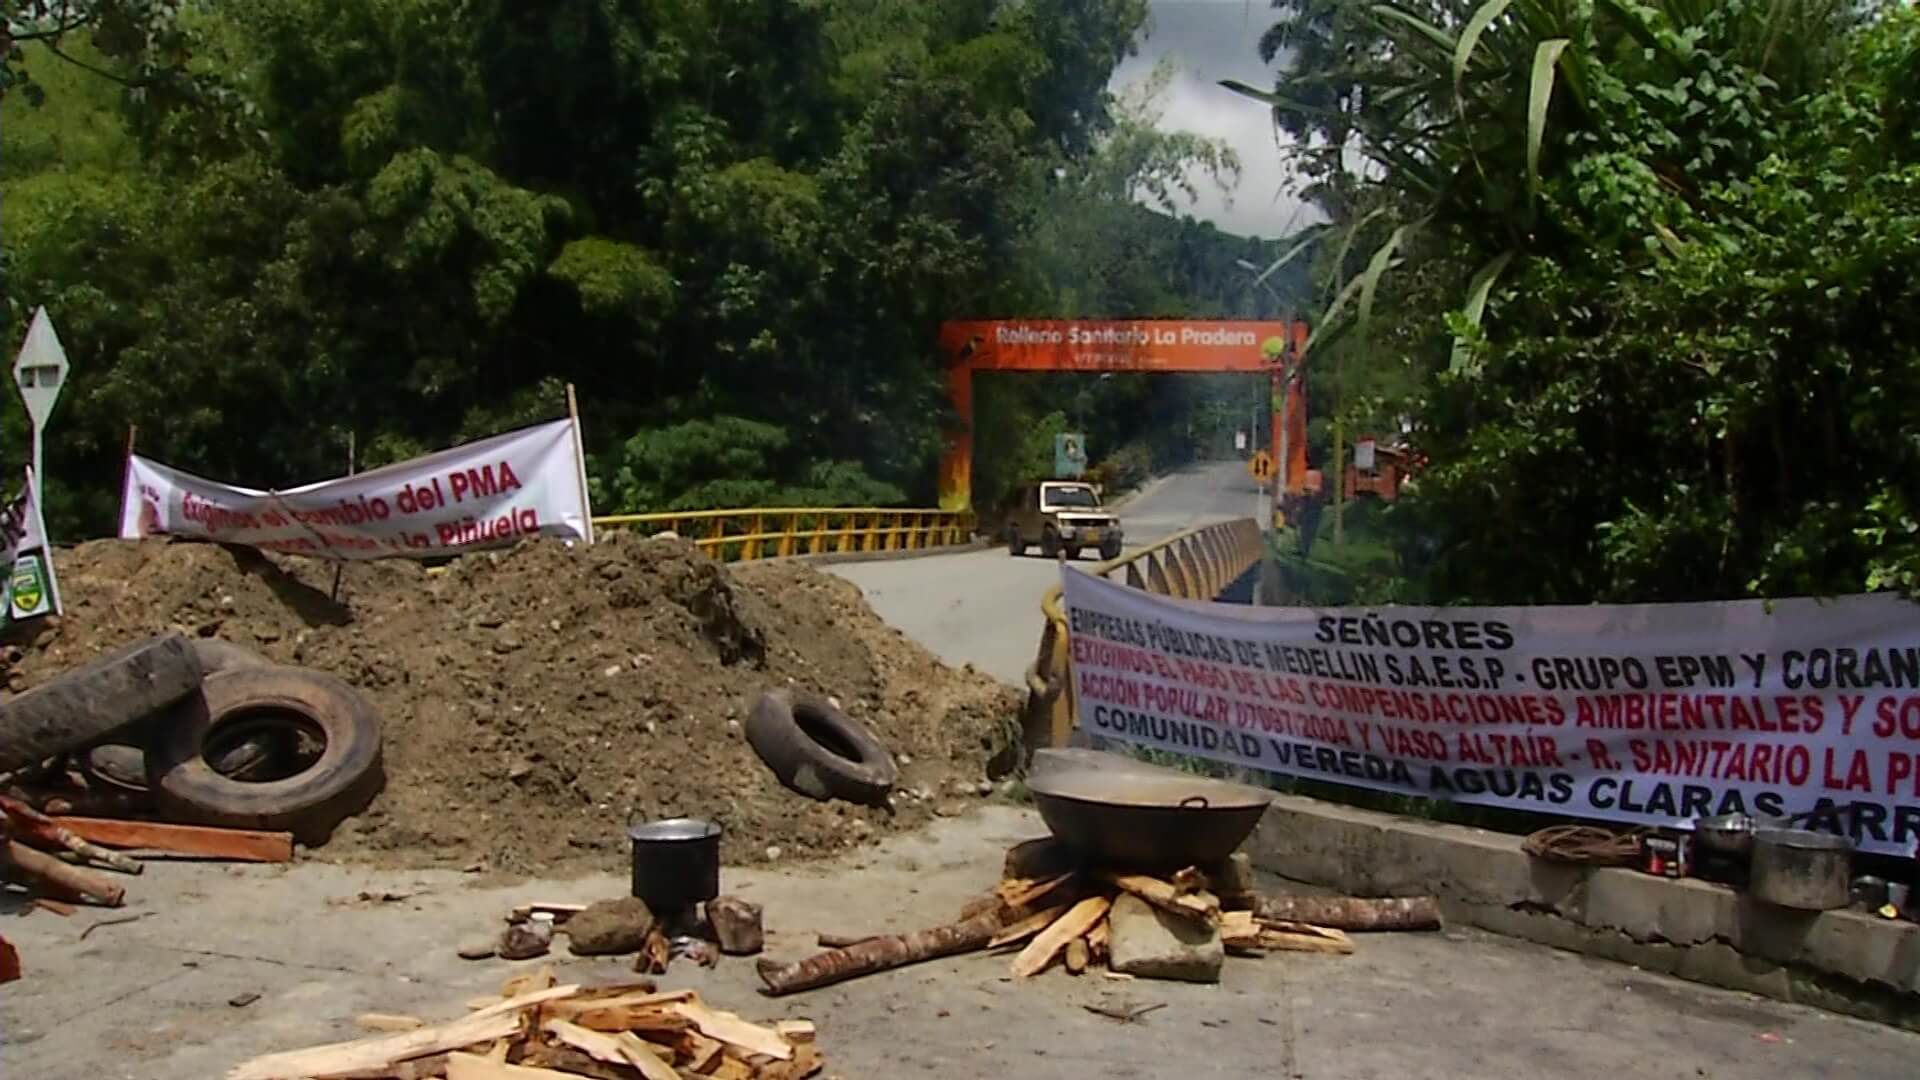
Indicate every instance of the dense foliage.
{"type": "Point", "coordinates": [1655, 265]}
{"type": "Point", "coordinates": [263, 226]}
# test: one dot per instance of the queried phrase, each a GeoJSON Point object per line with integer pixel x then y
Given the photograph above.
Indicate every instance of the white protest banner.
{"type": "Point", "coordinates": [31, 590]}
{"type": "Point", "coordinates": [483, 494]}
{"type": "Point", "coordinates": [1649, 715]}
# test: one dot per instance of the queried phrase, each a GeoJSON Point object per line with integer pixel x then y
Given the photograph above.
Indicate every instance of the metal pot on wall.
{"type": "Point", "coordinates": [1802, 869]}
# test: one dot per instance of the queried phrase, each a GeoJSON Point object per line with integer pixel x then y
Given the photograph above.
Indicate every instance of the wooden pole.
{"type": "Point", "coordinates": [126, 481]}
{"type": "Point", "coordinates": [580, 462]}
{"type": "Point", "coordinates": [341, 566]}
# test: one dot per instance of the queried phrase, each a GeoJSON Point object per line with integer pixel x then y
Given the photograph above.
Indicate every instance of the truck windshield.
{"type": "Point", "coordinates": [1069, 497]}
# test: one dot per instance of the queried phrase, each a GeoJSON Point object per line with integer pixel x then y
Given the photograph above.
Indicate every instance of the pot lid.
{"type": "Point", "coordinates": [674, 829]}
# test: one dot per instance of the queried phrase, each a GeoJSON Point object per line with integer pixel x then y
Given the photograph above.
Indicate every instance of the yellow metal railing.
{"type": "Point", "coordinates": [780, 532]}
{"type": "Point", "coordinates": [1194, 565]}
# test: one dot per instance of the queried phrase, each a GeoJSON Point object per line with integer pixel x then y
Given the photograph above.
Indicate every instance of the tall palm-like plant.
{"type": "Point", "coordinates": [1520, 128]}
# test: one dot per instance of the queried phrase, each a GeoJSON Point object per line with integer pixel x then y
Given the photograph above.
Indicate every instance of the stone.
{"type": "Point", "coordinates": [479, 947]}
{"type": "Point", "coordinates": [1232, 880]}
{"type": "Point", "coordinates": [524, 941]}
{"type": "Point", "coordinates": [1152, 944]}
{"type": "Point", "coordinates": [737, 925]}
{"type": "Point", "coordinates": [610, 927]}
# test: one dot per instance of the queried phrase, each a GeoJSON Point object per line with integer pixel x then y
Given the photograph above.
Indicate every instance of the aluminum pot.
{"type": "Point", "coordinates": [676, 863]}
{"type": "Point", "coordinates": [1802, 869]}
{"type": "Point", "coordinates": [1725, 834]}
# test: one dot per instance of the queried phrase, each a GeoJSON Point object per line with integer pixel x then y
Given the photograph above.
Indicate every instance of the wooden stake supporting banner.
{"type": "Point", "coordinates": [580, 462]}
{"type": "Point", "coordinates": [126, 479]}
{"type": "Point", "coordinates": [341, 566]}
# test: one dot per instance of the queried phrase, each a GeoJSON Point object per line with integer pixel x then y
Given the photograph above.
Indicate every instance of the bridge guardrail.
{"type": "Point", "coordinates": [1194, 565]}
{"type": "Point", "coordinates": [782, 532]}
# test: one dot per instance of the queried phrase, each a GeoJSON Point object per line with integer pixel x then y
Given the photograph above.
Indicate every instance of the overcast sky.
{"type": "Point", "coordinates": [1210, 40]}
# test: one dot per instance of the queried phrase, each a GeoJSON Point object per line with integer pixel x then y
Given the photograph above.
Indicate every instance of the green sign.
{"type": "Point", "coordinates": [27, 592]}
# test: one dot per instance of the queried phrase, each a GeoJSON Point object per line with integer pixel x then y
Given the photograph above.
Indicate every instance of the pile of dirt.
{"type": "Point", "coordinates": [538, 698]}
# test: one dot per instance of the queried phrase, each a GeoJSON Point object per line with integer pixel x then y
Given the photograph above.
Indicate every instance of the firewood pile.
{"type": "Point", "coordinates": [536, 1030]}
{"type": "Point", "coordinates": [1050, 908]}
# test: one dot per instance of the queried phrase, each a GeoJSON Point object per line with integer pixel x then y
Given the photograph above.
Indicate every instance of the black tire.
{"type": "Point", "coordinates": [1016, 547]}
{"type": "Point", "coordinates": [310, 803]}
{"type": "Point", "coordinates": [1073, 553]}
{"type": "Point", "coordinates": [1050, 544]}
{"type": "Point", "coordinates": [1109, 550]}
{"type": "Point", "coordinates": [89, 703]}
{"type": "Point", "coordinates": [819, 751]}
{"type": "Point", "coordinates": [119, 762]}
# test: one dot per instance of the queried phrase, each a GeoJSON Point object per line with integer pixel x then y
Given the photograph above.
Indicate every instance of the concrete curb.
{"type": "Point", "coordinates": [1842, 961]}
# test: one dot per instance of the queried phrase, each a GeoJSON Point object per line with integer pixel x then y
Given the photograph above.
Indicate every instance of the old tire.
{"type": "Point", "coordinates": [1016, 547]}
{"type": "Point", "coordinates": [1109, 550]}
{"type": "Point", "coordinates": [310, 803]}
{"type": "Point", "coordinates": [1050, 544]}
{"type": "Point", "coordinates": [120, 762]}
{"type": "Point", "coordinates": [819, 751]}
{"type": "Point", "coordinates": [85, 705]}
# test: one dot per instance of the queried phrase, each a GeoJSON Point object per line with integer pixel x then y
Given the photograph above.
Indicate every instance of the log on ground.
{"type": "Point", "coordinates": [880, 954]}
{"type": "Point", "coordinates": [1353, 912]}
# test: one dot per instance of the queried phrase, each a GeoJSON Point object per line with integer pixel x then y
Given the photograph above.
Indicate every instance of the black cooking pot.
{"type": "Point", "coordinates": [1150, 820]}
{"type": "Point", "coordinates": [676, 863]}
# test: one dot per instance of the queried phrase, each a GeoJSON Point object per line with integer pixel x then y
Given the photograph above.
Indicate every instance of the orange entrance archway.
{"type": "Point", "coordinates": [1162, 346]}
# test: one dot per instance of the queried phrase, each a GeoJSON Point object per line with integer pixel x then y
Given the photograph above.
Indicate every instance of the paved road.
{"type": "Point", "coordinates": [982, 607]}
{"type": "Point", "coordinates": [150, 1000]}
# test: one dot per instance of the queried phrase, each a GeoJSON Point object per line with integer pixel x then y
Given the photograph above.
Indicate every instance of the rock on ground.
{"type": "Point", "coordinates": [610, 927]}
{"type": "Point", "coordinates": [737, 925]}
{"type": "Point", "coordinates": [1152, 944]}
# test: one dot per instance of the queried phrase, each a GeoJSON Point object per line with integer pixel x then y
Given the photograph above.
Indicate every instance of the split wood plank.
{"type": "Point", "coordinates": [702, 1053]}
{"type": "Point", "coordinates": [651, 1019]}
{"type": "Point", "coordinates": [1077, 921]}
{"type": "Point", "coordinates": [1239, 928]}
{"type": "Point", "coordinates": [560, 912]}
{"type": "Point", "coordinates": [570, 1061]}
{"type": "Point", "coordinates": [1079, 955]}
{"type": "Point", "coordinates": [730, 1029]}
{"type": "Point", "coordinates": [1027, 927]}
{"type": "Point", "coordinates": [475, 1067]}
{"type": "Point", "coordinates": [795, 1031]}
{"type": "Point", "coordinates": [732, 1069]}
{"type": "Point", "coordinates": [238, 845]}
{"type": "Point", "coordinates": [806, 1061]}
{"type": "Point", "coordinates": [638, 999]}
{"type": "Point", "coordinates": [498, 1021]}
{"type": "Point", "coordinates": [1301, 937]}
{"type": "Point", "coordinates": [625, 1048]}
{"type": "Point", "coordinates": [1164, 895]}
{"type": "Point", "coordinates": [1021, 894]}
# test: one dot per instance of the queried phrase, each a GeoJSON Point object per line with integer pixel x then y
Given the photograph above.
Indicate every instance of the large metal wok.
{"type": "Point", "coordinates": [1144, 817]}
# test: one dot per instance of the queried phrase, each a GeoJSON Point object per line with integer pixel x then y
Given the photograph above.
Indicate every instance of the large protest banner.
{"type": "Point", "coordinates": [495, 491]}
{"type": "Point", "coordinates": [1650, 715]}
{"type": "Point", "coordinates": [31, 590]}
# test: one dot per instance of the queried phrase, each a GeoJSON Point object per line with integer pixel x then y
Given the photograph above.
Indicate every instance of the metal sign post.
{"type": "Point", "coordinates": [39, 372]}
